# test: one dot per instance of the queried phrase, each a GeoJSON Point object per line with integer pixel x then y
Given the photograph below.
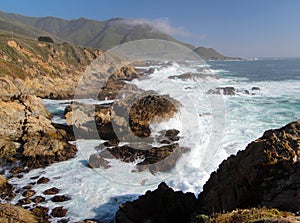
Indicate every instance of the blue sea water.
{"type": "Point", "coordinates": [240, 119]}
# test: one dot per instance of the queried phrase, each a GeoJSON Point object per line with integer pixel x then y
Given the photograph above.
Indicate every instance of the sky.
{"type": "Point", "coordinates": [245, 28]}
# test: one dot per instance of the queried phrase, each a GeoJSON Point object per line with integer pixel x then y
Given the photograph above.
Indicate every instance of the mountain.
{"type": "Point", "coordinates": [212, 54]}
{"type": "Point", "coordinates": [103, 35]}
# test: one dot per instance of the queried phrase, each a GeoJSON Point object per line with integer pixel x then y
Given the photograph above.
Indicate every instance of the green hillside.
{"type": "Point", "coordinates": [103, 35]}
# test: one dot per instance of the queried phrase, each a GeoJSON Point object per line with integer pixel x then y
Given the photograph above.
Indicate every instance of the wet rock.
{"type": "Point", "coordinates": [28, 193]}
{"type": "Point", "coordinates": [38, 199]}
{"type": "Point", "coordinates": [266, 173]}
{"type": "Point", "coordinates": [60, 198]}
{"type": "Point", "coordinates": [28, 187]}
{"type": "Point", "coordinates": [193, 76]}
{"type": "Point", "coordinates": [255, 89]}
{"type": "Point", "coordinates": [17, 170]}
{"type": "Point", "coordinates": [41, 213]}
{"type": "Point", "coordinates": [162, 205]}
{"type": "Point", "coordinates": [51, 191]}
{"type": "Point", "coordinates": [24, 201]}
{"type": "Point", "coordinates": [6, 189]}
{"type": "Point", "coordinates": [59, 212]}
{"type": "Point", "coordinates": [223, 90]}
{"type": "Point", "coordinates": [97, 161]}
{"type": "Point", "coordinates": [156, 159]}
{"type": "Point", "coordinates": [43, 180]}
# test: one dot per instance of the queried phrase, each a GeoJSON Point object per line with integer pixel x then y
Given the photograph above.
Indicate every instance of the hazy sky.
{"type": "Point", "coordinates": [247, 28]}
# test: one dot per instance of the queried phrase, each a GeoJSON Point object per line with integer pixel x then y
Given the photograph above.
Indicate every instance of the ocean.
{"type": "Point", "coordinates": [213, 126]}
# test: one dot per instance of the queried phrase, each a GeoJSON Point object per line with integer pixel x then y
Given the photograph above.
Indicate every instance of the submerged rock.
{"type": "Point", "coordinates": [266, 173]}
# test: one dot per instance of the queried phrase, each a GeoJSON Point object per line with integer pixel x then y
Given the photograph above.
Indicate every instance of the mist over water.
{"type": "Point", "coordinates": [246, 117]}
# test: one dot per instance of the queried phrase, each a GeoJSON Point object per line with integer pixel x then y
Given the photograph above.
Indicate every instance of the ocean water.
{"type": "Point", "coordinates": [212, 126]}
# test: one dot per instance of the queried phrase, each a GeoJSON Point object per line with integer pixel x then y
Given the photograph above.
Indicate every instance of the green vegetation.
{"type": "Point", "coordinates": [103, 35]}
{"type": "Point", "coordinates": [245, 216]}
{"type": "Point", "coordinates": [46, 39]}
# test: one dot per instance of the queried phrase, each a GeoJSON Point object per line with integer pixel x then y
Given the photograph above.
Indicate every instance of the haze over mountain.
{"type": "Point", "coordinates": [103, 35]}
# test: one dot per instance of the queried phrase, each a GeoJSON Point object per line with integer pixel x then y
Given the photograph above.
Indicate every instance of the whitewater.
{"type": "Point", "coordinates": [212, 126]}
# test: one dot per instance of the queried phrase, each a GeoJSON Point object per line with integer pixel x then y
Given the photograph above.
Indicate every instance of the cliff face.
{"type": "Point", "coordinates": [266, 173]}
{"type": "Point", "coordinates": [42, 69]}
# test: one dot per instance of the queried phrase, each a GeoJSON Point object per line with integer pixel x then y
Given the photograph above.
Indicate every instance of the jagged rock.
{"type": "Point", "coordinates": [10, 213]}
{"type": "Point", "coordinates": [28, 193]}
{"type": "Point", "coordinates": [51, 191]}
{"type": "Point", "coordinates": [59, 212]}
{"type": "Point", "coordinates": [6, 189]}
{"type": "Point", "coordinates": [223, 90]}
{"type": "Point", "coordinates": [162, 205]}
{"type": "Point", "coordinates": [43, 180]}
{"type": "Point", "coordinates": [38, 199]}
{"type": "Point", "coordinates": [266, 173]}
{"type": "Point", "coordinates": [156, 159]}
{"type": "Point", "coordinates": [41, 213]}
{"type": "Point", "coordinates": [25, 122]}
{"type": "Point", "coordinates": [42, 69]}
{"type": "Point", "coordinates": [60, 198]}
{"type": "Point", "coordinates": [24, 201]}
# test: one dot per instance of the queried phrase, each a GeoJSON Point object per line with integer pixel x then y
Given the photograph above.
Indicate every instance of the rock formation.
{"type": "Point", "coordinates": [27, 134]}
{"type": "Point", "coordinates": [266, 173]}
{"type": "Point", "coordinates": [160, 206]}
{"type": "Point", "coordinates": [10, 213]}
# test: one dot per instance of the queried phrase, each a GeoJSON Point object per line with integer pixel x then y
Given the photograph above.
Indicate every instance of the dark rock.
{"type": "Point", "coordinates": [41, 213]}
{"type": "Point", "coordinates": [51, 191]}
{"type": "Point", "coordinates": [24, 201]}
{"type": "Point", "coordinates": [28, 193]}
{"type": "Point", "coordinates": [43, 180]}
{"type": "Point", "coordinates": [266, 173]}
{"type": "Point", "coordinates": [223, 90]}
{"type": "Point", "coordinates": [157, 159]}
{"type": "Point", "coordinates": [28, 187]}
{"type": "Point", "coordinates": [38, 199]}
{"type": "Point", "coordinates": [162, 205]}
{"type": "Point", "coordinates": [59, 212]}
{"type": "Point", "coordinates": [60, 198]}
{"type": "Point", "coordinates": [255, 89]}
{"type": "Point", "coordinates": [17, 170]}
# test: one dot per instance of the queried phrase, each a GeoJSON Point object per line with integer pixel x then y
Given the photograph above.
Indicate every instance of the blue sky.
{"type": "Point", "coordinates": [247, 28]}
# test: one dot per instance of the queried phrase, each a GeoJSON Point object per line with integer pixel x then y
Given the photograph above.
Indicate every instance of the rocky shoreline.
{"type": "Point", "coordinates": [265, 174]}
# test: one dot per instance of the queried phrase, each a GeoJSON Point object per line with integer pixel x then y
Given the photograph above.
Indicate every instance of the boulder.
{"type": "Point", "coordinates": [223, 90]}
{"type": "Point", "coordinates": [59, 212]}
{"type": "Point", "coordinates": [162, 205]}
{"type": "Point", "coordinates": [266, 173]}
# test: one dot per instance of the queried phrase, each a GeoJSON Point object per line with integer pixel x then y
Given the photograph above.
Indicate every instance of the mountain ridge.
{"type": "Point", "coordinates": [103, 35]}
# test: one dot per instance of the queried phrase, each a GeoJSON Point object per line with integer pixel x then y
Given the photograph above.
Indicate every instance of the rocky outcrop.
{"type": "Point", "coordinates": [162, 205]}
{"type": "Point", "coordinates": [47, 70]}
{"type": "Point", "coordinates": [6, 189]}
{"type": "Point", "coordinates": [28, 135]}
{"type": "Point", "coordinates": [266, 173]}
{"type": "Point", "coordinates": [10, 213]}
{"type": "Point", "coordinates": [233, 91]}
